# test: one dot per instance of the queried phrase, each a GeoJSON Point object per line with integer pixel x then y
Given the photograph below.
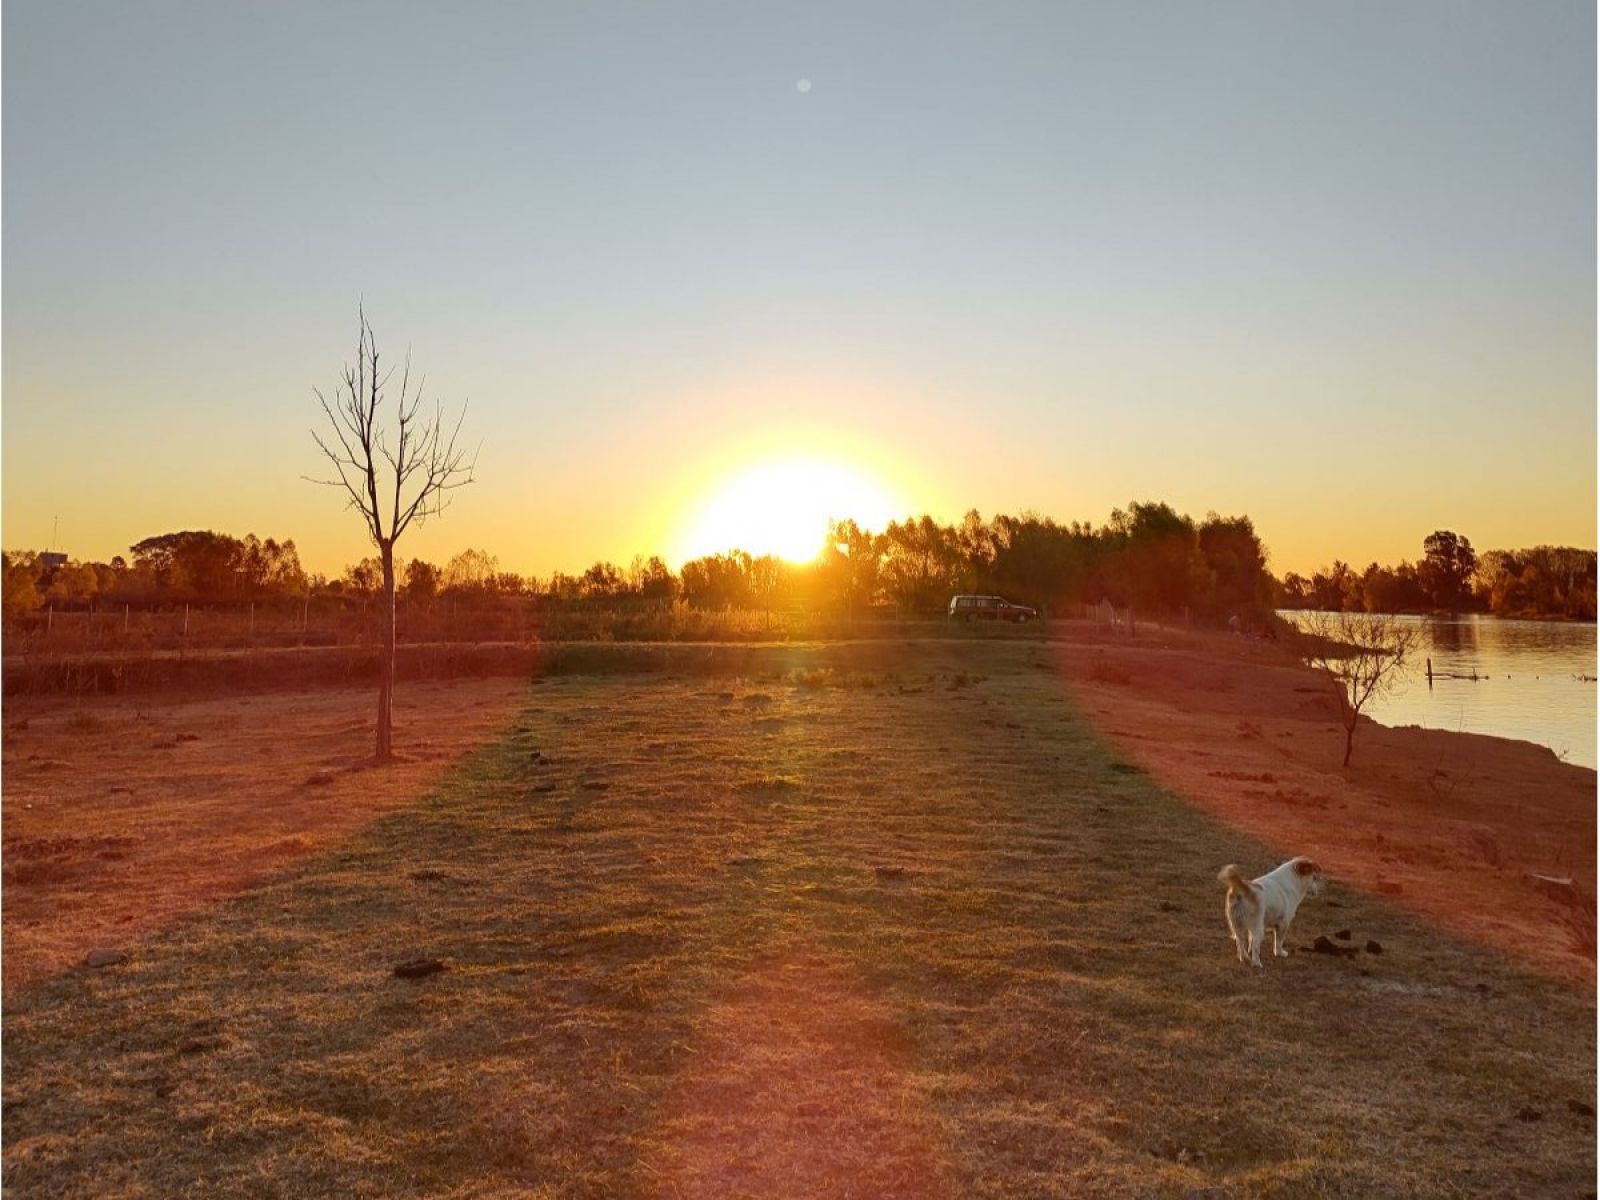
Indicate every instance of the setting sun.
{"type": "Point", "coordinates": [783, 508]}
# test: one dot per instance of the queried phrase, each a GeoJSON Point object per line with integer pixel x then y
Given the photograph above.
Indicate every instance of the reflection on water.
{"type": "Point", "coordinates": [1535, 682]}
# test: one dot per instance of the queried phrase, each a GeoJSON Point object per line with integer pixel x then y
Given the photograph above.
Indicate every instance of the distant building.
{"type": "Point", "coordinates": [50, 560]}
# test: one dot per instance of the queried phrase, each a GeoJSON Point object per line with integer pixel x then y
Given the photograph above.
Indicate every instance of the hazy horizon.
{"type": "Point", "coordinates": [1332, 268]}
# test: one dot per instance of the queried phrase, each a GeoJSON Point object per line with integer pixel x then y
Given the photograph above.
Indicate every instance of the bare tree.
{"type": "Point", "coordinates": [397, 467]}
{"type": "Point", "coordinates": [1364, 654]}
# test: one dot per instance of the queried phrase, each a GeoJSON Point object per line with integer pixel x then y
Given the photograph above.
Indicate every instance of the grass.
{"type": "Point", "coordinates": [773, 934]}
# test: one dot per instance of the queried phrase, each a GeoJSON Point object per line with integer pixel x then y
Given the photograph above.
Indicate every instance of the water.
{"type": "Point", "coordinates": [1528, 686]}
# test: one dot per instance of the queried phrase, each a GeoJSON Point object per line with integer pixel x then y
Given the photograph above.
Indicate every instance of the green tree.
{"type": "Point", "coordinates": [422, 582]}
{"type": "Point", "coordinates": [653, 580]}
{"type": "Point", "coordinates": [1448, 563]}
{"type": "Point", "coordinates": [471, 573]}
{"type": "Point", "coordinates": [922, 564]}
{"type": "Point", "coordinates": [19, 584]}
{"type": "Point", "coordinates": [72, 584]}
{"type": "Point", "coordinates": [849, 565]}
{"type": "Point", "coordinates": [1237, 563]}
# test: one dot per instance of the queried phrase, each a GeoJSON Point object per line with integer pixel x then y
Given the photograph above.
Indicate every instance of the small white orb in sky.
{"type": "Point", "coordinates": [803, 86]}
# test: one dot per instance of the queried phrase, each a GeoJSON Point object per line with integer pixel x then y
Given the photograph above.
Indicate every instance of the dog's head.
{"type": "Point", "coordinates": [1310, 875]}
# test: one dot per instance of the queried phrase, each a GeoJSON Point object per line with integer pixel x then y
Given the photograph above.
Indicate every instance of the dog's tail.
{"type": "Point", "coordinates": [1235, 881]}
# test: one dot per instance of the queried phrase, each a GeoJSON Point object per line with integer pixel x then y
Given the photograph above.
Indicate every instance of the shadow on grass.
{"type": "Point", "coordinates": [905, 942]}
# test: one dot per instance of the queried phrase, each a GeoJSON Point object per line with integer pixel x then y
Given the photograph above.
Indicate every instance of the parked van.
{"type": "Point", "coordinates": [990, 608]}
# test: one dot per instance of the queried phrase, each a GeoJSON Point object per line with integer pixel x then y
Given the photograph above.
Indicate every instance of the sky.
{"type": "Point", "coordinates": [1330, 265]}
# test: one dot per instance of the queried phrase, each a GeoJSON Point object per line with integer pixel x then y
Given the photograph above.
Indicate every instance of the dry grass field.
{"type": "Point", "coordinates": [124, 813]}
{"type": "Point", "coordinates": [904, 923]}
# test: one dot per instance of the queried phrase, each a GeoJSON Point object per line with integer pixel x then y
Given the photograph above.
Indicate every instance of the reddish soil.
{"type": "Point", "coordinates": [1450, 825]}
{"type": "Point", "coordinates": [123, 814]}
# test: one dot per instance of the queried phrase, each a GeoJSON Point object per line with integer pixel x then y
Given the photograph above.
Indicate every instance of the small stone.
{"type": "Point", "coordinates": [1526, 1113]}
{"type": "Point", "coordinates": [201, 1045]}
{"type": "Point", "coordinates": [320, 779]}
{"type": "Point", "coordinates": [1343, 935]}
{"type": "Point", "coordinates": [890, 872]}
{"type": "Point", "coordinates": [1389, 887]}
{"type": "Point", "coordinates": [1373, 947]}
{"type": "Point", "coordinates": [419, 968]}
{"type": "Point", "coordinates": [1579, 1109]}
{"type": "Point", "coordinates": [102, 957]}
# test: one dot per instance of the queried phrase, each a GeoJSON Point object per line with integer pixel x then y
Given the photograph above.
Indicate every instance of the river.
{"type": "Point", "coordinates": [1535, 682]}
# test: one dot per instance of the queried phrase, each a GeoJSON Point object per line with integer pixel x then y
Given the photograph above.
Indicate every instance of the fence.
{"type": "Point", "coordinates": [337, 621]}
{"type": "Point", "coordinates": [330, 621]}
{"type": "Point", "coordinates": [317, 621]}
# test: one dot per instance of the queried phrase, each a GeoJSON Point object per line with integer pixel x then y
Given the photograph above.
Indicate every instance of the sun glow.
{"type": "Point", "coordinates": [783, 507]}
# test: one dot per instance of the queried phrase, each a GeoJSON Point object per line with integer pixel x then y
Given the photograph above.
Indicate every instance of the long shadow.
{"type": "Point", "coordinates": [1022, 937]}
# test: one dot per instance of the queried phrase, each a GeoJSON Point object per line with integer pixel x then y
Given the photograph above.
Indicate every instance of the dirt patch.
{"type": "Point", "coordinates": [124, 814]}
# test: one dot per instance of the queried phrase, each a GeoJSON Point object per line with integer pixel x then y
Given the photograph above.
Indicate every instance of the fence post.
{"type": "Point", "coordinates": [305, 613]}
{"type": "Point", "coordinates": [50, 620]}
{"type": "Point", "coordinates": [252, 618]}
{"type": "Point", "coordinates": [185, 620]}
{"type": "Point", "coordinates": [124, 618]}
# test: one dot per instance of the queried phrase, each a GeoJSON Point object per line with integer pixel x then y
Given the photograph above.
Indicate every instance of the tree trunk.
{"type": "Point", "coordinates": [1349, 741]}
{"type": "Point", "coordinates": [386, 664]}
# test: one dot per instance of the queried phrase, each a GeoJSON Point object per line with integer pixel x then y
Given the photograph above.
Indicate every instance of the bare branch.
{"type": "Point", "coordinates": [1364, 656]}
{"type": "Point", "coordinates": [423, 460]}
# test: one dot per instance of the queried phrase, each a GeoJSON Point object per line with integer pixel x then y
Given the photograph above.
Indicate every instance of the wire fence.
{"type": "Point", "coordinates": [338, 621]}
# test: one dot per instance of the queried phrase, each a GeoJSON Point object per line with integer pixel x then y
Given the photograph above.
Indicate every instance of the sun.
{"type": "Point", "coordinates": [782, 507]}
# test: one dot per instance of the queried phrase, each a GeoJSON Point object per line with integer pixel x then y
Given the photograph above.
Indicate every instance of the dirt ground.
{"type": "Point", "coordinates": [1448, 824]}
{"type": "Point", "coordinates": [915, 929]}
{"type": "Point", "coordinates": [123, 814]}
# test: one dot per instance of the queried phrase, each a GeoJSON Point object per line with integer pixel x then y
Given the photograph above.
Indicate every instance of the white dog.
{"type": "Point", "coordinates": [1255, 905]}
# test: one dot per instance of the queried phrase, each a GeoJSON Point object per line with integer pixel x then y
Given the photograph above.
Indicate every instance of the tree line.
{"type": "Point", "coordinates": [1148, 556]}
{"type": "Point", "coordinates": [1544, 581]}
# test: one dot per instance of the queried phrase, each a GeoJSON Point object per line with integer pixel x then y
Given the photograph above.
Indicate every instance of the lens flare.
{"type": "Point", "coordinates": [783, 508]}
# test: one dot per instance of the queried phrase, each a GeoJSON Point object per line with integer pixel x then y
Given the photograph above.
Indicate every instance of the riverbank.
{"type": "Point", "coordinates": [1465, 829]}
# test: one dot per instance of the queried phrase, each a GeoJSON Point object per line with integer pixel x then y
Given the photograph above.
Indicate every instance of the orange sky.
{"type": "Point", "coordinates": [1058, 258]}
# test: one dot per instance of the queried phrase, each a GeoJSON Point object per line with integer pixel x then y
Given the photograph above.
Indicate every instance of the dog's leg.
{"type": "Point", "coordinates": [1280, 940]}
{"type": "Point", "coordinates": [1233, 930]}
{"type": "Point", "coordinates": [1258, 938]}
